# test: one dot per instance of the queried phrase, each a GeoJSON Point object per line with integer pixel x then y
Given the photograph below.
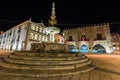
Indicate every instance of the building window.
{"type": "Point", "coordinates": [115, 38]}
{"type": "Point", "coordinates": [10, 32]}
{"type": "Point", "coordinates": [39, 37]}
{"type": "Point", "coordinates": [14, 38]}
{"type": "Point", "coordinates": [32, 27]}
{"type": "Point", "coordinates": [40, 29]}
{"type": "Point", "coordinates": [18, 37]}
{"type": "Point", "coordinates": [31, 35]}
{"type": "Point", "coordinates": [99, 36]}
{"type": "Point", "coordinates": [42, 38]}
{"type": "Point", "coordinates": [19, 29]}
{"type": "Point", "coordinates": [36, 28]}
{"type": "Point", "coordinates": [46, 39]}
{"type": "Point", "coordinates": [83, 38]}
{"type": "Point", "coordinates": [70, 38]}
{"type": "Point", "coordinates": [36, 36]}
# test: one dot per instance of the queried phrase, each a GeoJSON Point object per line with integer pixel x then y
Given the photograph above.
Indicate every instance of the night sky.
{"type": "Point", "coordinates": [69, 13]}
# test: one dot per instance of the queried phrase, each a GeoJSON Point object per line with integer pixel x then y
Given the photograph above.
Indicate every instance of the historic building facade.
{"type": "Point", "coordinates": [115, 42]}
{"type": "Point", "coordinates": [21, 36]}
{"type": "Point", "coordinates": [85, 39]}
{"type": "Point", "coordinates": [92, 38]}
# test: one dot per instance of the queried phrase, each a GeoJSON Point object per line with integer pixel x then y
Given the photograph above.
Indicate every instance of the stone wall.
{"type": "Point", "coordinates": [48, 47]}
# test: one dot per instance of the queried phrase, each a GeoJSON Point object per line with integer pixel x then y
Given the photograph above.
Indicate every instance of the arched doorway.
{"type": "Point", "coordinates": [72, 48]}
{"type": "Point", "coordinates": [84, 49]}
{"type": "Point", "coordinates": [98, 49]}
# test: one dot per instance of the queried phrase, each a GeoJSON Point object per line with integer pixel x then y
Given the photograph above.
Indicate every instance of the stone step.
{"type": "Point", "coordinates": [45, 62]}
{"type": "Point", "coordinates": [28, 64]}
{"type": "Point", "coordinates": [44, 58]}
{"type": "Point", "coordinates": [43, 73]}
{"type": "Point", "coordinates": [27, 53]}
{"type": "Point", "coordinates": [43, 67]}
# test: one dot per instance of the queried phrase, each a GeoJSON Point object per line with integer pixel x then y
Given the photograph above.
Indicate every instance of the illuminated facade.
{"type": "Point", "coordinates": [21, 36]}
{"type": "Point", "coordinates": [91, 38]}
{"type": "Point", "coordinates": [59, 38]}
{"type": "Point", "coordinates": [115, 42]}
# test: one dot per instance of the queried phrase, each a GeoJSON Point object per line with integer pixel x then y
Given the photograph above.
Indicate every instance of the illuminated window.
{"type": "Point", "coordinates": [40, 29]}
{"type": "Point", "coordinates": [45, 38]}
{"type": "Point", "coordinates": [32, 27]}
{"type": "Point", "coordinates": [36, 28]}
{"type": "Point", "coordinates": [39, 37]}
{"type": "Point", "coordinates": [36, 36]}
{"type": "Point", "coordinates": [31, 35]}
{"type": "Point", "coordinates": [14, 38]}
{"type": "Point", "coordinates": [83, 38]}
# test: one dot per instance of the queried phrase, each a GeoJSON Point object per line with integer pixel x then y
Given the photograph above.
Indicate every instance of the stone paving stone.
{"type": "Point", "coordinates": [112, 66]}
{"type": "Point", "coordinates": [115, 77]}
{"type": "Point", "coordinates": [97, 62]}
{"type": "Point", "coordinates": [108, 65]}
{"type": "Point", "coordinates": [85, 76]}
{"type": "Point", "coordinates": [75, 77]}
{"type": "Point", "coordinates": [109, 68]}
{"type": "Point", "coordinates": [71, 77]}
{"type": "Point", "coordinates": [105, 76]}
{"type": "Point", "coordinates": [116, 66]}
{"type": "Point", "coordinates": [94, 75]}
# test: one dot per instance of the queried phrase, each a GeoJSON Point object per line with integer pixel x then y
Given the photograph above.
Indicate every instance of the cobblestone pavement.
{"type": "Point", "coordinates": [108, 68]}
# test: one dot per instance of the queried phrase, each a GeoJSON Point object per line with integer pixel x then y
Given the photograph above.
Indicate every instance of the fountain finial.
{"type": "Point", "coordinates": [52, 20]}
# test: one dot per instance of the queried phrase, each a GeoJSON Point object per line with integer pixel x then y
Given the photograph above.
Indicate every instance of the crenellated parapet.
{"type": "Point", "coordinates": [86, 26]}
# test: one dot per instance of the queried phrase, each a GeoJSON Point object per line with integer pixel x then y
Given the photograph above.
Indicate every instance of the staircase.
{"type": "Point", "coordinates": [28, 64]}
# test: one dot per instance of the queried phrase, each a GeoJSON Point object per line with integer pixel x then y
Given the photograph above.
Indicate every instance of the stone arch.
{"type": "Point", "coordinates": [98, 49]}
{"type": "Point", "coordinates": [84, 49]}
{"type": "Point", "coordinates": [72, 48]}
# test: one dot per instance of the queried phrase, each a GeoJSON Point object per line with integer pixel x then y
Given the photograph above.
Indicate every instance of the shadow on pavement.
{"type": "Point", "coordinates": [108, 71]}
